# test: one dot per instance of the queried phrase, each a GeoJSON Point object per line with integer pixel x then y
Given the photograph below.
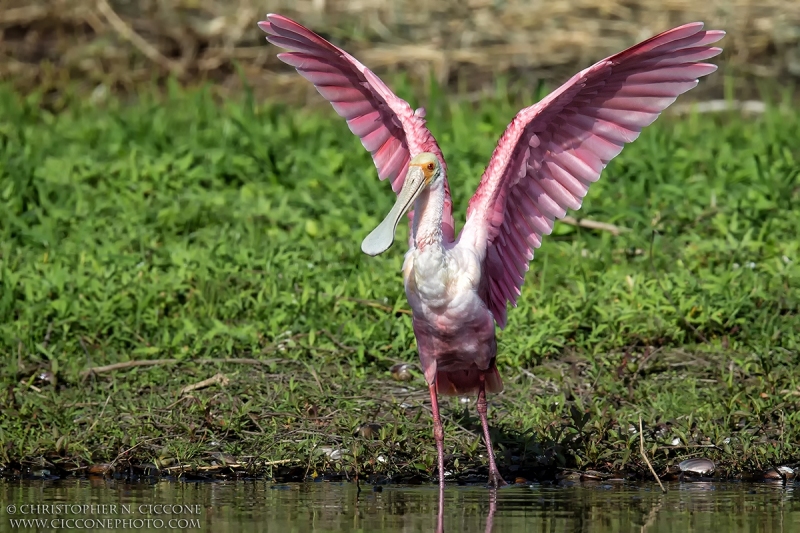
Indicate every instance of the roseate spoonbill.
{"type": "Point", "coordinates": [458, 288]}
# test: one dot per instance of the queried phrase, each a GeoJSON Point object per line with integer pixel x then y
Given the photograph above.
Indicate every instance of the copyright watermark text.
{"type": "Point", "coordinates": [104, 516]}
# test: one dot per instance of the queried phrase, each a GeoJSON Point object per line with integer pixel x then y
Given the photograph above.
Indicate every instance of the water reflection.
{"type": "Point", "coordinates": [250, 506]}
{"type": "Point", "coordinates": [492, 497]}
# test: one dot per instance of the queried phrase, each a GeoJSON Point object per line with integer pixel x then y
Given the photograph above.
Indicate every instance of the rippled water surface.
{"type": "Point", "coordinates": [245, 506]}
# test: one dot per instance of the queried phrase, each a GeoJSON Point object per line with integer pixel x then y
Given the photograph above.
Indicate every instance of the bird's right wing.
{"type": "Point", "coordinates": [387, 126]}
{"type": "Point", "coordinates": [554, 150]}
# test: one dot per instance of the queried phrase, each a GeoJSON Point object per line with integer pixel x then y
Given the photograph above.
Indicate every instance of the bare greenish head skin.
{"type": "Point", "coordinates": [423, 170]}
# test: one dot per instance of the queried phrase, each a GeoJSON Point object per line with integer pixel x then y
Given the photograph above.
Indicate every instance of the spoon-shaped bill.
{"type": "Point", "coordinates": [382, 237]}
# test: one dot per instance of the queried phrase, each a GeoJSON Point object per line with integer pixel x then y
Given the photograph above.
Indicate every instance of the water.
{"type": "Point", "coordinates": [250, 506]}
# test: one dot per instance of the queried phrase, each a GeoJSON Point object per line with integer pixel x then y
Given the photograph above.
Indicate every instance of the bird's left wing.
{"type": "Point", "coordinates": [552, 151]}
{"type": "Point", "coordinates": [387, 126]}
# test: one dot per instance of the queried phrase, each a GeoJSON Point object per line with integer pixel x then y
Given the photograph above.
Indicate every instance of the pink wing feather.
{"type": "Point", "coordinates": [385, 123]}
{"type": "Point", "coordinates": [552, 151]}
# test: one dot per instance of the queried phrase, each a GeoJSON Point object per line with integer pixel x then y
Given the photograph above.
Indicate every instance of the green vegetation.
{"type": "Point", "coordinates": [224, 238]}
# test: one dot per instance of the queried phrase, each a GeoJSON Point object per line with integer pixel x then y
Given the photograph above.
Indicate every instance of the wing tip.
{"type": "Point", "coordinates": [713, 36]}
{"type": "Point", "coordinates": [700, 25]}
{"type": "Point", "coordinates": [719, 34]}
{"type": "Point", "coordinates": [284, 56]}
{"type": "Point", "coordinates": [287, 24]}
{"type": "Point", "coordinates": [306, 45]}
{"type": "Point", "coordinates": [271, 18]}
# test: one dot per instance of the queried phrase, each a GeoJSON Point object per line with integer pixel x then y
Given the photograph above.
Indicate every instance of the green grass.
{"type": "Point", "coordinates": [180, 228]}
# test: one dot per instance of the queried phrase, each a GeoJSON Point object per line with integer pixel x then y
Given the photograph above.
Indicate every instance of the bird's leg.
{"type": "Point", "coordinates": [494, 475]}
{"type": "Point", "coordinates": [438, 433]}
{"type": "Point", "coordinates": [440, 513]}
{"type": "Point", "coordinates": [492, 510]}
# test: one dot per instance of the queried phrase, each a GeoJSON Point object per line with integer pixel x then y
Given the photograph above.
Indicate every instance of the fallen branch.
{"type": "Point", "coordinates": [593, 224]}
{"type": "Point", "coordinates": [218, 379]}
{"type": "Point", "coordinates": [644, 456]}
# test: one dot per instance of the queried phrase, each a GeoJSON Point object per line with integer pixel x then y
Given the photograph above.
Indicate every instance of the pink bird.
{"type": "Point", "coordinates": [544, 163]}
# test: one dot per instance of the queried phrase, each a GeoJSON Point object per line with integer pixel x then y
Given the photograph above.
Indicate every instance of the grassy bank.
{"type": "Point", "coordinates": [207, 238]}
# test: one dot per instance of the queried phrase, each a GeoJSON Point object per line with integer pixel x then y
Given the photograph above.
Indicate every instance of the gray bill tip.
{"type": "Point", "coordinates": [380, 239]}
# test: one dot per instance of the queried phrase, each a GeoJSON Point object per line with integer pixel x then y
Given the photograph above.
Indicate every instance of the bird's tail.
{"type": "Point", "coordinates": [467, 382]}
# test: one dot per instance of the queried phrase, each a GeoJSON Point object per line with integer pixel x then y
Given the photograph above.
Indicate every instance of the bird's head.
{"type": "Point", "coordinates": [424, 171]}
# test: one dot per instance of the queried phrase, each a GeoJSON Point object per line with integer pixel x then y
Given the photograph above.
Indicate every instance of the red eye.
{"type": "Point", "coordinates": [430, 166]}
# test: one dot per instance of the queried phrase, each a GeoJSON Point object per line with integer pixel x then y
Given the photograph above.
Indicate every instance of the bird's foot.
{"type": "Point", "coordinates": [496, 481]}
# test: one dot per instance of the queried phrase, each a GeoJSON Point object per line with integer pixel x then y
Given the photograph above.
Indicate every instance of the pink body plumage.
{"type": "Point", "coordinates": [543, 164]}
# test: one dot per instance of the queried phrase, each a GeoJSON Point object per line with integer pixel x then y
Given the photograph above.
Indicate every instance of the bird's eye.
{"type": "Point", "coordinates": [430, 166]}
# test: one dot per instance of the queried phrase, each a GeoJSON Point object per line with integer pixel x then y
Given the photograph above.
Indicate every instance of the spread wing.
{"type": "Point", "coordinates": [552, 151]}
{"type": "Point", "coordinates": [387, 126]}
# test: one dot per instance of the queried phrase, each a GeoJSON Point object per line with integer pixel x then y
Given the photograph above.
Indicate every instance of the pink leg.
{"type": "Point", "coordinates": [438, 433]}
{"type": "Point", "coordinates": [494, 475]}
{"type": "Point", "coordinates": [492, 510]}
{"type": "Point", "coordinates": [440, 515]}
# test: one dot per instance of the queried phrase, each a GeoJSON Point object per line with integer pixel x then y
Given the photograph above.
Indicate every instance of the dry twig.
{"type": "Point", "coordinates": [644, 456]}
{"type": "Point", "coordinates": [125, 365]}
{"type": "Point", "coordinates": [145, 441]}
{"type": "Point", "coordinates": [30, 386]}
{"type": "Point", "coordinates": [651, 515]}
{"type": "Point", "coordinates": [593, 224]}
{"type": "Point", "coordinates": [217, 379]}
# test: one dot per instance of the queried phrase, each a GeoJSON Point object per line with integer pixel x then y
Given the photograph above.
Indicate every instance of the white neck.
{"type": "Point", "coordinates": [428, 211]}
